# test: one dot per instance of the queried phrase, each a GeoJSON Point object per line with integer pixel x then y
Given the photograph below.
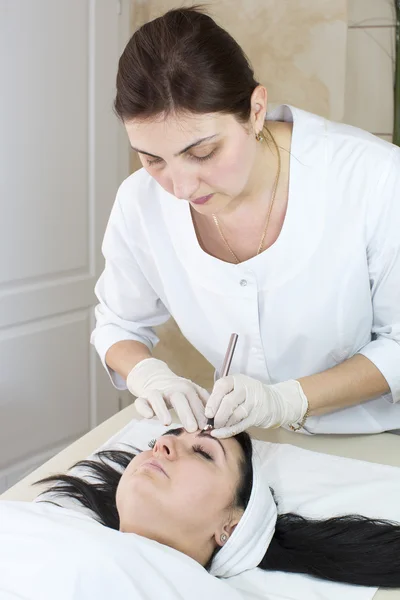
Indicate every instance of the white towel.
{"type": "Point", "coordinates": [253, 534]}
{"type": "Point", "coordinates": [52, 553]}
{"type": "Point", "coordinates": [310, 484]}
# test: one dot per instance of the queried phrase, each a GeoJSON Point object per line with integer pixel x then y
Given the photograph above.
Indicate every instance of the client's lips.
{"type": "Point", "coordinates": [154, 464]}
{"type": "Point", "coordinates": [202, 199]}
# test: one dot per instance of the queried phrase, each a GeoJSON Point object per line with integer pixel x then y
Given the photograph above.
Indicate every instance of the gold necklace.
{"type": "Point", "coordinates": [269, 209]}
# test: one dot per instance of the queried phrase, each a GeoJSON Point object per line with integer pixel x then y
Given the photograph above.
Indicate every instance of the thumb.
{"type": "Point", "coordinates": [232, 430]}
{"type": "Point", "coordinates": [226, 432]}
{"type": "Point", "coordinates": [221, 388]}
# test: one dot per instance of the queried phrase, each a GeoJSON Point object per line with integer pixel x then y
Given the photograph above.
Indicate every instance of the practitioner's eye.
{"type": "Point", "coordinates": [200, 450]}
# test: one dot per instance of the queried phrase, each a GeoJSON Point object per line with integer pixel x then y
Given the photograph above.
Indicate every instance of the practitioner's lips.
{"type": "Point", "coordinates": [154, 464]}
{"type": "Point", "coordinates": [202, 199]}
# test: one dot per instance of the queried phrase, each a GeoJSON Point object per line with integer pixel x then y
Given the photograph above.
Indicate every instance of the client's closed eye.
{"type": "Point", "coordinates": [200, 450]}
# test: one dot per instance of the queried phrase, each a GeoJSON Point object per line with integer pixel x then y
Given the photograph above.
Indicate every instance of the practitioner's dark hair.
{"type": "Point", "coordinates": [183, 62]}
{"type": "Point", "coordinates": [348, 549]}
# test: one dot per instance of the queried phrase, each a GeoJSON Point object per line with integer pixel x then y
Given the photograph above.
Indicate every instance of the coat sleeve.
{"type": "Point", "coordinates": [383, 253]}
{"type": "Point", "coordinates": [128, 306]}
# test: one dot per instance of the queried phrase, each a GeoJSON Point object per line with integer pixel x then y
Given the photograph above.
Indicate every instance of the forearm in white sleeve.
{"type": "Point", "coordinates": [383, 254]}
{"type": "Point", "coordinates": [128, 306]}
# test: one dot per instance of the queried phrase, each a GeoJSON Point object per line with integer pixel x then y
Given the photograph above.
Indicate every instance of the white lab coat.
{"type": "Point", "coordinates": [328, 288]}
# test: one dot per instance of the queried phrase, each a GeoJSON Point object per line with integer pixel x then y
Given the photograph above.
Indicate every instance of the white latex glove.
{"type": "Point", "coordinates": [238, 402]}
{"type": "Point", "coordinates": [158, 389]}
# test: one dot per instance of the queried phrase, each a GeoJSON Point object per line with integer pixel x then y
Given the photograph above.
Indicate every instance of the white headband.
{"type": "Point", "coordinates": [249, 542]}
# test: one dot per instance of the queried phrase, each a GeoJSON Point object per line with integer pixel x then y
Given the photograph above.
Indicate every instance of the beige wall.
{"type": "Point", "coordinates": [331, 57]}
{"type": "Point", "coordinates": [370, 66]}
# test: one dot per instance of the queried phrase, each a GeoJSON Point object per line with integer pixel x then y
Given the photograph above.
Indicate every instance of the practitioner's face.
{"type": "Point", "coordinates": [221, 165]}
{"type": "Point", "coordinates": [185, 499]}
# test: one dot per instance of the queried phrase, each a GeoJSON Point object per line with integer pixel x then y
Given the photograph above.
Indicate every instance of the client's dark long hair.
{"type": "Point", "coordinates": [348, 549]}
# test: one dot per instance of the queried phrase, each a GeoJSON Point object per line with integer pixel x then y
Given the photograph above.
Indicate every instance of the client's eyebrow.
{"type": "Point", "coordinates": [181, 151]}
{"type": "Point", "coordinates": [179, 430]}
{"type": "Point", "coordinates": [207, 435]}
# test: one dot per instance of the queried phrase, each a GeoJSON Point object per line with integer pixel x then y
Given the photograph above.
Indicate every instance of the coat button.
{"type": "Point", "coordinates": [243, 282]}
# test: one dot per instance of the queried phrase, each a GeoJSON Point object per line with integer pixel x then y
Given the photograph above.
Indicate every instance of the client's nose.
{"type": "Point", "coordinates": [166, 448]}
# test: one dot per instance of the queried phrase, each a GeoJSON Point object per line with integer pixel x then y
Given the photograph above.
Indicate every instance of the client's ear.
{"type": "Point", "coordinates": [223, 534]}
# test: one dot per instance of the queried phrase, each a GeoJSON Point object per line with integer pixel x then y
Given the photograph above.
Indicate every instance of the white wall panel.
{"type": "Point", "coordinates": [37, 412]}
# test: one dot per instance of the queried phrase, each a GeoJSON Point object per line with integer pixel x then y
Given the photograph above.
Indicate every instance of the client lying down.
{"type": "Point", "coordinates": [203, 498]}
{"type": "Point", "coordinates": [190, 492]}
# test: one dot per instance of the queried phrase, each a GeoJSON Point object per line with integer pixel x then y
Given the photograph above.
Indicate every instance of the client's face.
{"type": "Point", "coordinates": [180, 493]}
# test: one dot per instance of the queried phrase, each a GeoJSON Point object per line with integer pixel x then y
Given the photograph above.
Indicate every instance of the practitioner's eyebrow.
{"type": "Point", "coordinates": [181, 151]}
{"type": "Point", "coordinates": [179, 430]}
